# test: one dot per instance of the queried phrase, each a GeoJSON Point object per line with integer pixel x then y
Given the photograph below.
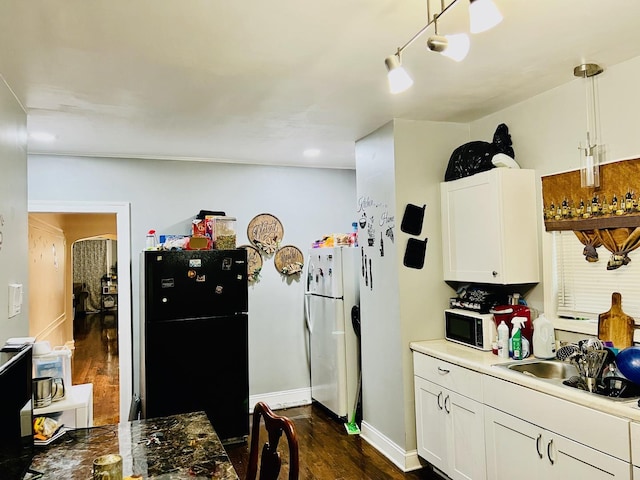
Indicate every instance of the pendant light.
{"type": "Point", "coordinates": [590, 153]}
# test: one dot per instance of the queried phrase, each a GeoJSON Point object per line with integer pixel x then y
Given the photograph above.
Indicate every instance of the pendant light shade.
{"type": "Point", "coordinates": [456, 47]}
{"type": "Point", "coordinates": [483, 15]}
{"type": "Point", "coordinates": [399, 79]}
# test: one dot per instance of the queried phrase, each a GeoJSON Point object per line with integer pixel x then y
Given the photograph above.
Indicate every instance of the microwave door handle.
{"type": "Point", "coordinates": [501, 312]}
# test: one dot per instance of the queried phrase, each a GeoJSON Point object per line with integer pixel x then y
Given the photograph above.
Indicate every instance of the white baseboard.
{"type": "Point", "coordinates": [404, 460]}
{"type": "Point", "coordinates": [284, 399]}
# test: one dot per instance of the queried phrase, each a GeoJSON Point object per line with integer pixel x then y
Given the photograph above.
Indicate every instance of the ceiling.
{"type": "Point", "coordinates": [261, 81]}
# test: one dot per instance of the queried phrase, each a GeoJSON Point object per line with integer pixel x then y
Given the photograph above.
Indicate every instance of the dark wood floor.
{"type": "Point", "coordinates": [95, 360]}
{"type": "Point", "coordinates": [327, 452]}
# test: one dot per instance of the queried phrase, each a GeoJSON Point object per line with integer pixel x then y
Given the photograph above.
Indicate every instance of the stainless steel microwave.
{"type": "Point", "coordinates": [477, 330]}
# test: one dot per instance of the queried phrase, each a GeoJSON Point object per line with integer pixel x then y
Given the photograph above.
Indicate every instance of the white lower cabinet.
{"type": "Point", "coordinates": [449, 425]}
{"type": "Point", "coordinates": [519, 449]}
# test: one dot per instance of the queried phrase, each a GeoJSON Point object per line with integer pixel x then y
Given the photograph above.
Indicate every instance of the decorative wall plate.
{"type": "Point", "coordinates": [265, 231]}
{"type": "Point", "coordinates": [289, 260]}
{"type": "Point", "coordinates": [254, 262]}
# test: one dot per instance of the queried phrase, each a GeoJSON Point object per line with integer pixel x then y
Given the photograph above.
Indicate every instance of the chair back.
{"type": "Point", "coordinates": [270, 460]}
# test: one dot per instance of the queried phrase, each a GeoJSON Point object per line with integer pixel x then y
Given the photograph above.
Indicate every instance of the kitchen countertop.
{"type": "Point", "coordinates": [486, 363]}
{"type": "Point", "coordinates": [169, 448]}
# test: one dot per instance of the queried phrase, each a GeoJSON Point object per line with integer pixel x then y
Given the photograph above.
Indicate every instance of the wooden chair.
{"type": "Point", "coordinates": [270, 460]}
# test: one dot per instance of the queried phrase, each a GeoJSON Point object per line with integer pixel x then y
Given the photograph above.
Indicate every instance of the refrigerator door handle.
{"type": "Point", "coordinates": [307, 313]}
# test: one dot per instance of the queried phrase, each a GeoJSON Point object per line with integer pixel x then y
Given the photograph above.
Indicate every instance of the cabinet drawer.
{"type": "Point", "coordinates": [458, 379]}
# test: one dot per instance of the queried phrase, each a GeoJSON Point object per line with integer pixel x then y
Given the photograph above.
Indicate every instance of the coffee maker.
{"type": "Point", "coordinates": [507, 312]}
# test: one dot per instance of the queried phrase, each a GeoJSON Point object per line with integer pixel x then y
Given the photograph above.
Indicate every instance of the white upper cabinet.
{"type": "Point", "coordinates": [489, 227]}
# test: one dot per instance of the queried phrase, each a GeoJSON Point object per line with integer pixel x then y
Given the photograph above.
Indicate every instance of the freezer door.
{"type": "Point", "coordinates": [328, 354]}
{"type": "Point", "coordinates": [324, 274]}
{"type": "Point", "coordinates": [194, 284]}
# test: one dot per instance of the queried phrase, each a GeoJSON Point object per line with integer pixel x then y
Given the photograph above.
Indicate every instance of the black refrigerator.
{"type": "Point", "coordinates": [194, 333]}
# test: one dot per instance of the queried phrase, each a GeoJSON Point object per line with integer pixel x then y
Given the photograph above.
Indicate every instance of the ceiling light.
{"type": "Point", "coordinates": [483, 15]}
{"type": "Point", "coordinates": [42, 136]}
{"type": "Point", "coordinates": [399, 79]}
{"type": "Point", "coordinates": [590, 153]}
{"type": "Point", "coordinates": [456, 47]}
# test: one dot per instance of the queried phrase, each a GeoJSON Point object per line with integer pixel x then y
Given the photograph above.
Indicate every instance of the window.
{"type": "Point", "coordinates": [584, 289]}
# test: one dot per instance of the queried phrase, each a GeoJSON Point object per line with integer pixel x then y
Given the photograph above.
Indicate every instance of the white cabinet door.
{"type": "Point", "coordinates": [431, 423]}
{"type": "Point", "coordinates": [450, 431]}
{"type": "Point", "coordinates": [489, 227]}
{"type": "Point", "coordinates": [466, 437]}
{"type": "Point", "coordinates": [514, 448]}
{"type": "Point", "coordinates": [534, 453]}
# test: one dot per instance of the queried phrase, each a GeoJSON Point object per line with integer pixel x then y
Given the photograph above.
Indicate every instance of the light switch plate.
{"type": "Point", "coordinates": [15, 299]}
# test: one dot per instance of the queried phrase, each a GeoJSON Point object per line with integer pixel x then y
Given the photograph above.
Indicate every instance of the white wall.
{"type": "Point", "coordinates": [402, 162]}
{"type": "Point", "coordinates": [165, 196]}
{"type": "Point", "coordinates": [546, 130]}
{"type": "Point", "coordinates": [14, 266]}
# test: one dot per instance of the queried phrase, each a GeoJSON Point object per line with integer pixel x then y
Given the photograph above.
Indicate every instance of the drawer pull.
{"type": "Point", "coordinates": [443, 371]}
{"type": "Point", "coordinates": [549, 451]}
{"type": "Point", "coordinates": [538, 445]}
{"type": "Point", "coordinates": [440, 400]}
{"type": "Point", "coordinates": [447, 408]}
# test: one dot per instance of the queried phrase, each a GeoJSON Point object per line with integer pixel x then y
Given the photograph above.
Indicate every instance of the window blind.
{"type": "Point", "coordinates": [584, 289]}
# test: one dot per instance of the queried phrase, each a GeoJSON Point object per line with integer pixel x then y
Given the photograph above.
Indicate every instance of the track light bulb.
{"type": "Point", "coordinates": [399, 79]}
{"type": "Point", "coordinates": [483, 15]}
{"type": "Point", "coordinates": [456, 47]}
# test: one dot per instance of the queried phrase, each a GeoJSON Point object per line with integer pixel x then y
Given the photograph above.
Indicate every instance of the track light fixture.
{"type": "Point", "coordinates": [483, 15]}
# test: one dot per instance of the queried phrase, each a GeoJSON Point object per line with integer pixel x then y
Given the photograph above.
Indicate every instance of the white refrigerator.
{"type": "Point", "coordinates": [332, 289]}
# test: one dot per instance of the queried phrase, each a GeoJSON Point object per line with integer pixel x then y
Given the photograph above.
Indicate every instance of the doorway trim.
{"type": "Point", "coordinates": [125, 322]}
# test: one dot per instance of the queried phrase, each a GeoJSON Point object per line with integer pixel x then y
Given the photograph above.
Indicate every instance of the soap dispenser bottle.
{"type": "Point", "coordinates": [544, 338]}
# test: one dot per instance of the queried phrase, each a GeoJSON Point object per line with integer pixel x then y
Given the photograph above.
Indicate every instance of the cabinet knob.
{"type": "Point", "coordinates": [494, 273]}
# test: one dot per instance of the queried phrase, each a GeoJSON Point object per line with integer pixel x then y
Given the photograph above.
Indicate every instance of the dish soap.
{"type": "Point", "coordinates": [544, 338]}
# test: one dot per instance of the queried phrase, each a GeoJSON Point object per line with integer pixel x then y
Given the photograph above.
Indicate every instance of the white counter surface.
{"type": "Point", "coordinates": [486, 363]}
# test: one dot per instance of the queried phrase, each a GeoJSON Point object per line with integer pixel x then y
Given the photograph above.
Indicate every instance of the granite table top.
{"type": "Point", "coordinates": [169, 448]}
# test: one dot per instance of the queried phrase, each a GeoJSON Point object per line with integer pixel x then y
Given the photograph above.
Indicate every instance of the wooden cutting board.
{"type": "Point", "coordinates": [615, 325]}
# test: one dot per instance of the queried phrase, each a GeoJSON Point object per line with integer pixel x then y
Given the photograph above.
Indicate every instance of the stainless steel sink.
{"type": "Point", "coordinates": [545, 369]}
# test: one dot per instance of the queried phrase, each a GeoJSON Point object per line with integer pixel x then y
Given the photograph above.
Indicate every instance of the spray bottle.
{"type": "Point", "coordinates": [517, 339]}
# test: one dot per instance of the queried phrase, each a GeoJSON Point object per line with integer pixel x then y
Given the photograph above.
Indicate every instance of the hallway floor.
{"type": "Point", "coordinates": [95, 360]}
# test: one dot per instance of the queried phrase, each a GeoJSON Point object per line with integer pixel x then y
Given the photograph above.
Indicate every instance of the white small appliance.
{"type": "Point", "coordinates": [332, 290]}
{"type": "Point", "coordinates": [477, 330]}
